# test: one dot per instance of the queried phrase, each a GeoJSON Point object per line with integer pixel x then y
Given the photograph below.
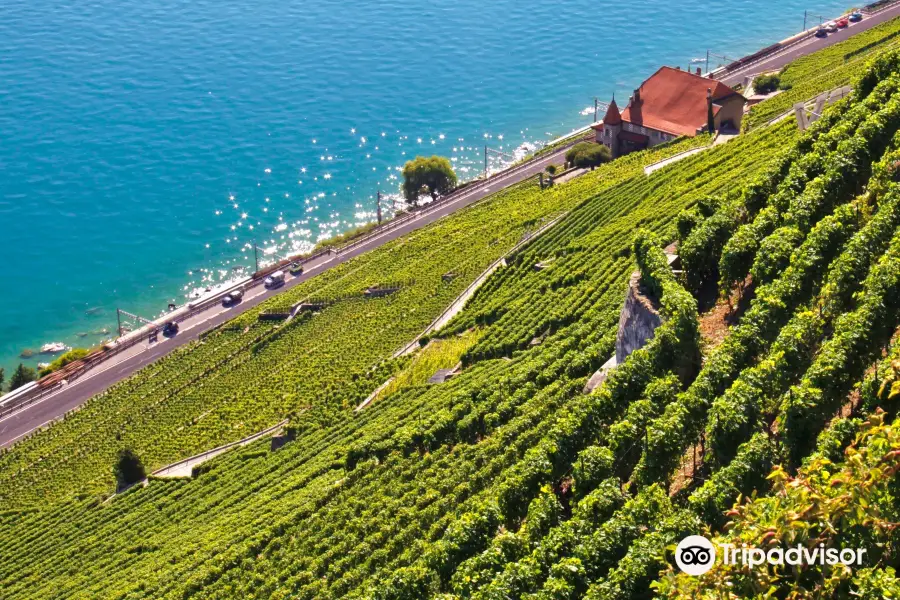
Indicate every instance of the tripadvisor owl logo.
{"type": "Point", "coordinates": [695, 555]}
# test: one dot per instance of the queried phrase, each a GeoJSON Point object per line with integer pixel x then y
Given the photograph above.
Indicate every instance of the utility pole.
{"type": "Point", "coordinates": [714, 55]}
{"type": "Point", "coordinates": [119, 321]}
{"type": "Point", "coordinates": [255, 258]}
{"type": "Point", "coordinates": [379, 206]}
{"type": "Point", "coordinates": [595, 108]}
{"type": "Point", "coordinates": [804, 20]}
{"type": "Point", "coordinates": [485, 161]}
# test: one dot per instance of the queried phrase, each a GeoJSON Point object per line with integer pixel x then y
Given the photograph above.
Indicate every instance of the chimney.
{"type": "Point", "coordinates": [698, 70]}
{"type": "Point", "coordinates": [637, 96]}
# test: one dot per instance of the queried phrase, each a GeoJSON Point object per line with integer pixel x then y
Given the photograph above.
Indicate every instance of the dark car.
{"type": "Point", "coordinates": [170, 329]}
{"type": "Point", "coordinates": [856, 17]}
{"type": "Point", "coordinates": [821, 32]}
{"type": "Point", "coordinates": [233, 297]}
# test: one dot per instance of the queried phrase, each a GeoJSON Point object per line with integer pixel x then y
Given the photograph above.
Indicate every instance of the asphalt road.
{"type": "Point", "coordinates": [55, 405]}
{"type": "Point", "coordinates": [809, 45]}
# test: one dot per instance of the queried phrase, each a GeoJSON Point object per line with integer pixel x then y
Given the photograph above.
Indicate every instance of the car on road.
{"type": "Point", "coordinates": [274, 280]}
{"type": "Point", "coordinates": [233, 297]}
{"type": "Point", "coordinates": [830, 26]}
{"type": "Point", "coordinates": [842, 23]}
{"type": "Point", "coordinates": [821, 32]}
{"type": "Point", "coordinates": [170, 329]}
{"type": "Point", "coordinates": [296, 269]}
{"type": "Point", "coordinates": [855, 17]}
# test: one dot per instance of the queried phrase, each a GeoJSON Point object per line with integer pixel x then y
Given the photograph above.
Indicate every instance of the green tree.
{"type": "Point", "coordinates": [588, 154]}
{"type": "Point", "coordinates": [21, 376]}
{"type": "Point", "coordinates": [427, 175]}
{"type": "Point", "coordinates": [128, 468]}
{"type": "Point", "coordinates": [766, 84]}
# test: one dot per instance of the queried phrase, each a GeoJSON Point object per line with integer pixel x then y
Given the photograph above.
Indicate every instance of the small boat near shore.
{"type": "Point", "coordinates": [54, 348]}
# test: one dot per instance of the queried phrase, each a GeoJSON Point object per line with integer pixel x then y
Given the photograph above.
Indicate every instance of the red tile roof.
{"type": "Point", "coordinates": [674, 101]}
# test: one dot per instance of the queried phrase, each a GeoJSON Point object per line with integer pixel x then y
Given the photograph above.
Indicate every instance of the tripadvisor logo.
{"type": "Point", "coordinates": [695, 555]}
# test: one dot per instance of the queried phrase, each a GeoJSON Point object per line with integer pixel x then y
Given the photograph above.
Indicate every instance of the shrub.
{"type": "Point", "coordinates": [766, 84]}
{"type": "Point", "coordinates": [128, 468]}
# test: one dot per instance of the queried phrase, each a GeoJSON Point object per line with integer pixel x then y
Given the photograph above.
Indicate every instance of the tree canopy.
{"type": "Point", "coordinates": [588, 154]}
{"type": "Point", "coordinates": [21, 376]}
{"type": "Point", "coordinates": [128, 468]}
{"type": "Point", "coordinates": [427, 175]}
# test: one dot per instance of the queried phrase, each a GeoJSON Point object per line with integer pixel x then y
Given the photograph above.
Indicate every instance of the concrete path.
{"type": "Point", "coordinates": [460, 301]}
{"type": "Point", "coordinates": [673, 159]}
{"type": "Point", "coordinates": [184, 468]}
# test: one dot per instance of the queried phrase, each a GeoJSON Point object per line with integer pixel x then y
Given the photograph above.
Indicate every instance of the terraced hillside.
{"type": "Point", "coordinates": [508, 481]}
{"type": "Point", "coordinates": [251, 374]}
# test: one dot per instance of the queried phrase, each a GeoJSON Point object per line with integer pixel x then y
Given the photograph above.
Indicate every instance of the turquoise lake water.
{"type": "Point", "coordinates": [145, 145]}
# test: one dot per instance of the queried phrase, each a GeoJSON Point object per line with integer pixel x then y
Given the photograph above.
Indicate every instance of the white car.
{"type": "Point", "coordinates": [274, 280]}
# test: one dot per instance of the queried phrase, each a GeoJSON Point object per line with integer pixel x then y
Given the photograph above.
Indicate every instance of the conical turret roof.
{"type": "Point", "coordinates": [613, 116]}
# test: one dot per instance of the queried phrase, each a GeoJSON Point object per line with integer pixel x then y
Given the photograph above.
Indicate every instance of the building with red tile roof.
{"type": "Point", "coordinates": [670, 104]}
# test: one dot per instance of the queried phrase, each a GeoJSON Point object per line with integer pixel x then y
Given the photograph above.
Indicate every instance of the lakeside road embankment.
{"type": "Point", "coordinates": [56, 404]}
